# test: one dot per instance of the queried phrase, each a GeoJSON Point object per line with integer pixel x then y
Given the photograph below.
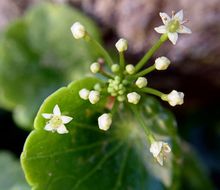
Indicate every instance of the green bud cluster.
{"type": "Point", "coordinates": [117, 88]}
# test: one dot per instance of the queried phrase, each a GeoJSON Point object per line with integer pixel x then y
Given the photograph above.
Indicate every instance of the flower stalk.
{"type": "Point", "coordinates": [151, 52]}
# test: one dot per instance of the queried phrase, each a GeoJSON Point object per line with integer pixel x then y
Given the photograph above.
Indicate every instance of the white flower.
{"type": "Point", "coordinates": [130, 69]}
{"type": "Point", "coordinates": [95, 67]}
{"type": "Point", "coordinates": [162, 63]}
{"type": "Point", "coordinates": [78, 30]}
{"type": "Point", "coordinates": [105, 121]}
{"type": "Point", "coordinates": [94, 96]}
{"type": "Point", "coordinates": [121, 45]}
{"type": "Point", "coordinates": [133, 97]}
{"type": "Point", "coordinates": [172, 26]}
{"type": "Point", "coordinates": [174, 98]}
{"type": "Point", "coordinates": [56, 121]}
{"type": "Point", "coordinates": [160, 150]}
{"type": "Point", "coordinates": [84, 94]}
{"type": "Point", "coordinates": [141, 82]}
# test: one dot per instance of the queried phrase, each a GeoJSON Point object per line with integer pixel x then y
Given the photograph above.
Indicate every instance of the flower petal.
{"type": "Point", "coordinates": [165, 18]}
{"type": "Point", "coordinates": [173, 37]}
{"type": "Point", "coordinates": [155, 148]}
{"type": "Point", "coordinates": [66, 119]}
{"type": "Point", "coordinates": [56, 110]}
{"type": "Point", "coordinates": [184, 30]}
{"type": "Point", "coordinates": [160, 159]}
{"type": "Point", "coordinates": [48, 128]}
{"type": "Point", "coordinates": [62, 129]}
{"type": "Point", "coordinates": [179, 15]}
{"type": "Point", "coordinates": [166, 148]}
{"type": "Point", "coordinates": [47, 115]}
{"type": "Point", "coordinates": [161, 29]}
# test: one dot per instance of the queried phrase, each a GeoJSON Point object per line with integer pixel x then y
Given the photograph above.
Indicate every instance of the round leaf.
{"type": "Point", "coordinates": [86, 157]}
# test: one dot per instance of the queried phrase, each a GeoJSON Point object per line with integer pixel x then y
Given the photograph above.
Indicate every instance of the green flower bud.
{"type": "Point", "coordinates": [130, 69]}
{"type": "Point", "coordinates": [115, 68]}
{"type": "Point", "coordinates": [95, 67]}
{"type": "Point", "coordinates": [141, 82]}
{"type": "Point", "coordinates": [121, 98]}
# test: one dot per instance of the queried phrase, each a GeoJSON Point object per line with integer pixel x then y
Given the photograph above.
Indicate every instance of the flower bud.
{"type": "Point", "coordinates": [94, 96]}
{"type": "Point", "coordinates": [84, 94]}
{"type": "Point", "coordinates": [160, 150]}
{"type": "Point", "coordinates": [162, 63]}
{"type": "Point", "coordinates": [133, 97]}
{"type": "Point", "coordinates": [115, 68]}
{"type": "Point", "coordinates": [97, 87]}
{"type": "Point", "coordinates": [95, 67]}
{"type": "Point", "coordinates": [141, 82]}
{"type": "Point", "coordinates": [174, 98]}
{"type": "Point", "coordinates": [105, 121]}
{"type": "Point", "coordinates": [130, 69]}
{"type": "Point", "coordinates": [78, 30]}
{"type": "Point", "coordinates": [121, 45]}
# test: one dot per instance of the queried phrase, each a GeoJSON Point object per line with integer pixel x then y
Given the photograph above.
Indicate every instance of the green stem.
{"type": "Point", "coordinates": [150, 53]}
{"type": "Point", "coordinates": [107, 75]}
{"type": "Point", "coordinates": [150, 136]}
{"type": "Point", "coordinates": [115, 108]}
{"type": "Point", "coordinates": [146, 71]}
{"type": "Point", "coordinates": [122, 61]}
{"type": "Point", "coordinates": [102, 50]}
{"type": "Point", "coordinates": [152, 91]}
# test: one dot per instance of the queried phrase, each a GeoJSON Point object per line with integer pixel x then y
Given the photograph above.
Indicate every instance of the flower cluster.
{"type": "Point", "coordinates": [126, 83]}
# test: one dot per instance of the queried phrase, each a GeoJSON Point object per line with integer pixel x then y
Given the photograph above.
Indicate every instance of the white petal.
{"type": "Point", "coordinates": [160, 159]}
{"type": "Point", "coordinates": [165, 18]}
{"type": "Point", "coordinates": [179, 15]}
{"type": "Point", "coordinates": [66, 119]}
{"type": "Point", "coordinates": [161, 29]}
{"type": "Point", "coordinates": [62, 129]}
{"type": "Point", "coordinates": [166, 148]}
{"type": "Point", "coordinates": [47, 115]}
{"type": "Point", "coordinates": [56, 110]}
{"type": "Point", "coordinates": [173, 37]}
{"type": "Point", "coordinates": [155, 148]}
{"type": "Point", "coordinates": [48, 127]}
{"type": "Point", "coordinates": [184, 30]}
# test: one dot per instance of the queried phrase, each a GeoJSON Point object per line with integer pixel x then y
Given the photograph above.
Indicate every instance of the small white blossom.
{"type": "Point", "coordinates": [141, 82]}
{"type": "Point", "coordinates": [133, 97]}
{"type": "Point", "coordinates": [94, 96]}
{"type": "Point", "coordinates": [56, 121]}
{"type": "Point", "coordinates": [105, 121]}
{"type": "Point", "coordinates": [172, 26]}
{"type": "Point", "coordinates": [84, 94]}
{"type": "Point", "coordinates": [160, 150]}
{"type": "Point", "coordinates": [78, 30]}
{"type": "Point", "coordinates": [95, 67]}
{"type": "Point", "coordinates": [174, 98]}
{"type": "Point", "coordinates": [162, 63]}
{"type": "Point", "coordinates": [121, 45]}
{"type": "Point", "coordinates": [130, 69]}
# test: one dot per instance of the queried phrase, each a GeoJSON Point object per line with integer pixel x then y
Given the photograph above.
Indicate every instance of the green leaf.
{"type": "Point", "coordinates": [38, 54]}
{"type": "Point", "coordinates": [11, 175]}
{"type": "Point", "coordinates": [87, 158]}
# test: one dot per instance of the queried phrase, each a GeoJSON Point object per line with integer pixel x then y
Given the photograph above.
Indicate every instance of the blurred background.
{"type": "Point", "coordinates": [33, 42]}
